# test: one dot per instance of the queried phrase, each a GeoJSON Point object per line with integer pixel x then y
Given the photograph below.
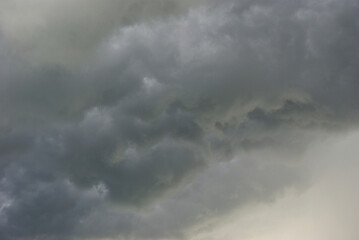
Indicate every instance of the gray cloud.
{"type": "Point", "coordinates": [35, 202]}
{"type": "Point", "coordinates": [171, 122]}
{"type": "Point", "coordinates": [66, 32]}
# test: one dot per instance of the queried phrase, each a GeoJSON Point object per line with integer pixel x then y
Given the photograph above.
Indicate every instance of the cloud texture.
{"type": "Point", "coordinates": [156, 120]}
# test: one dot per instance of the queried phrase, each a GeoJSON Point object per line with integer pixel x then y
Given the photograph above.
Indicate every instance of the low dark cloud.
{"type": "Point", "coordinates": [171, 122]}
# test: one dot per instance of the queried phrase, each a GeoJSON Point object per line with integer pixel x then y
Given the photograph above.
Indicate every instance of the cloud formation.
{"type": "Point", "coordinates": [170, 123]}
{"type": "Point", "coordinates": [66, 32]}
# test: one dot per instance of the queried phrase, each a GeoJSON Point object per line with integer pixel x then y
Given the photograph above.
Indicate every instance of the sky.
{"type": "Point", "coordinates": [179, 119]}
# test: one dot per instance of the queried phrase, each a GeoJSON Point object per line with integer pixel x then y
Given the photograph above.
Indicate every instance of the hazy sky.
{"type": "Point", "coordinates": [179, 119]}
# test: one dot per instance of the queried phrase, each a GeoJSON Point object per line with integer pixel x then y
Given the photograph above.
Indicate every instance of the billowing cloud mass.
{"type": "Point", "coordinates": [179, 119]}
{"type": "Point", "coordinates": [67, 32]}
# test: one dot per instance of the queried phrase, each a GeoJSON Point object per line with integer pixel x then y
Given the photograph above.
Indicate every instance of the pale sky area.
{"type": "Point", "coordinates": [179, 120]}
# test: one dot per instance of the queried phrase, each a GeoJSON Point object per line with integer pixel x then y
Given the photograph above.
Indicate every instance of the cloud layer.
{"type": "Point", "coordinates": [173, 122]}
{"type": "Point", "coordinates": [66, 32]}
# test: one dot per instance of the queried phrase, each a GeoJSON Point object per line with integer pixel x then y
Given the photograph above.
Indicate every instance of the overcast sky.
{"type": "Point", "coordinates": [179, 119]}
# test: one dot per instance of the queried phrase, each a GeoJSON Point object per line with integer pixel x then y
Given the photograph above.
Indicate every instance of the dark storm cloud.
{"type": "Point", "coordinates": [46, 209]}
{"type": "Point", "coordinates": [151, 136]}
{"type": "Point", "coordinates": [35, 202]}
{"type": "Point", "coordinates": [135, 178]}
{"type": "Point", "coordinates": [211, 194]}
{"type": "Point", "coordinates": [11, 142]}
